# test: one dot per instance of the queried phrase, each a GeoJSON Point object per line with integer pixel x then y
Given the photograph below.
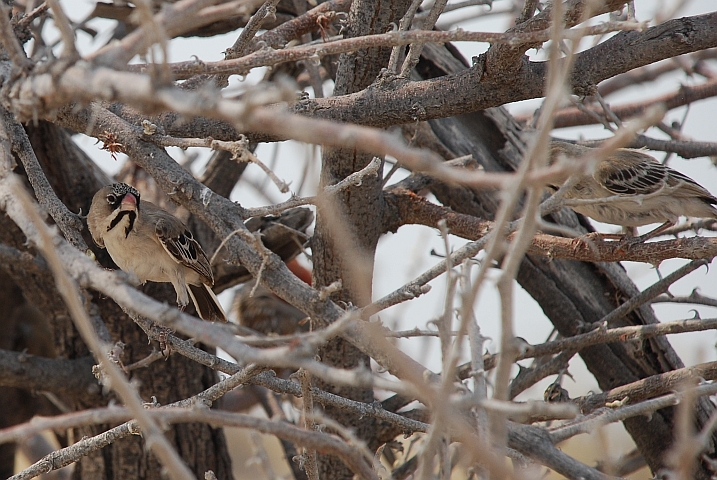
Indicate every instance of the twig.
{"type": "Point", "coordinates": [414, 53]}
{"type": "Point", "coordinates": [354, 179]}
{"type": "Point", "coordinates": [604, 416]}
{"type": "Point", "coordinates": [263, 58]}
{"type": "Point", "coordinates": [30, 17]}
{"type": "Point", "coordinates": [445, 323]}
{"type": "Point", "coordinates": [695, 297]}
{"type": "Point", "coordinates": [247, 156]}
{"type": "Point", "coordinates": [403, 26]}
{"type": "Point", "coordinates": [267, 9]}
{"type": "Point", "coordinates": [174, 19]}
{"type": "Point", "coordinates": [650, 292]}
{"type": "Point", "coordinates": [9, 40]}
{"type": "Point", "coordinates": [601, 336]}
{"type": "Point", "coordinates": [645, 388]}
{"type": "Point", "coordinates": [307, 413]}
{"type": "Point", "coordinates": [66, 421]}
{"type": "Point", "coordinates": [63, 24]}
{"type": "Point", "coordinates": [240, 153]}
{"type": "Point", "coordinates": [261, 456]}
{"type": "Point", "coordinates": [157, 35]}
{"type": "Point", "coordinates": [529, 377]}
{"type": "Point", "coordinates": [70, 223]}
{"type": "Point", "coordinates": [419, 285]}
{"type": "Point", "coordinates": [146, 361]}
{"type": "Point", "coordinates": [686, 447]}
{"type": "Point", "coordinates": [687, 94]}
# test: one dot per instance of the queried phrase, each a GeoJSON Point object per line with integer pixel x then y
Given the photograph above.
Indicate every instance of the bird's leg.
{"type": "Point", "coordinates": [603, 236]}
{"type": "Point", "coordinates": [162, 337]}
{"type": "Point", "coordinates": [588, 240]}
{"type": "Point", "coordinates": [161, 334]}
{"type": "Point", "coordinates": [629, 240]}
{"type": "Point", "coordinates": [182, 294]}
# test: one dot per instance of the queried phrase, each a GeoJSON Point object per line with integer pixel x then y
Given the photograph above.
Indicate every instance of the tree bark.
{"type": "Point", "coordinates": [347, 230]}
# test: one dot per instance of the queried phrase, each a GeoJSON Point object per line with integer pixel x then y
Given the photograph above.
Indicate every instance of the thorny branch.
{"type": "Point", "coordinates": [48, 92]}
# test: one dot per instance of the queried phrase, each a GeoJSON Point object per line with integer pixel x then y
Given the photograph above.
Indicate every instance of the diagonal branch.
{"type": "Point", "coordinates": [56, 375]}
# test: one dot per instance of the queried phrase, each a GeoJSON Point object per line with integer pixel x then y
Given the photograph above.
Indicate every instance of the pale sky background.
{"type": "Point", "coordinates": [404, 255]}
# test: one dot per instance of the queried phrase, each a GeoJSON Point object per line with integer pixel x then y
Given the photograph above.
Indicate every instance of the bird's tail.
{"type": "Point", "coordinates": [206, 303]}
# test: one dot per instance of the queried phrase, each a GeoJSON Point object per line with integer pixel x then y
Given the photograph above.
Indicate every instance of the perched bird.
{"type": "Point", "coordinates": [259, 309]}
{"type": "Point", "coordinates": [148, 242]}
{"type": "Point", "coordinates": [640, 190]}
{"type": "Point", "coordinates": [266, 313]}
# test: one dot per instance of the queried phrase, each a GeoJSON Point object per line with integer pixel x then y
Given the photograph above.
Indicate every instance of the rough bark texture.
{"type": "Point", "coordinates": [346, 234]}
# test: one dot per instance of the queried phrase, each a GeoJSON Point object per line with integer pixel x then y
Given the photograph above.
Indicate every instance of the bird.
{"type": "Point", "coordinates": [153, 245]}
{"type": "Point", "coordinates": [257, 308]}
{"type": "Point", "coordinates": [637, 189]}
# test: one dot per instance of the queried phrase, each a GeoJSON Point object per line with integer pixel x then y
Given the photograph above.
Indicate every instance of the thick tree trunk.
{"type": "Point", "coordinates": [347, 230]}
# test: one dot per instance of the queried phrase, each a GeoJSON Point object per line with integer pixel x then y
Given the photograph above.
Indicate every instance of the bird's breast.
{"type": "Point", "coordinates": [141, 256]}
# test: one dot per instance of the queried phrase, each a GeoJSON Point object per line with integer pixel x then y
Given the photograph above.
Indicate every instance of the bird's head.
{"type": "Point", "coordinates": [123, 197]}
{"type": "Point", "coordinates": [124, 200]}
{"type": "Point", "coordinates": [563, 152]}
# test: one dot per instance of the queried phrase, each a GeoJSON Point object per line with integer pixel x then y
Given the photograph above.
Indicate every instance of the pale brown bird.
{"type": "Point", "coordinates": [155, 246]}
{"type": "Point", "coordinates": [265, 312]}
{"type": "Point", "coordinates": [640, 190]}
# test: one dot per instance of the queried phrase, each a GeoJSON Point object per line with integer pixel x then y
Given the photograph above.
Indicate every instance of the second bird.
{"type": "Point", "coordinates": [637, 189]}
{"type": "Point", "coordinates": [155, 246]}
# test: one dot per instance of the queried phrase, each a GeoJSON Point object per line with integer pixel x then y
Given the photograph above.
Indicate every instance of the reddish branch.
{"type": "Point", "coordinates": [413, 209]}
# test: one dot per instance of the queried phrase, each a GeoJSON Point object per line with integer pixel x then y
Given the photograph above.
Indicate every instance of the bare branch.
{"type": "Point", "coordinates": [9, 40]}
{"type": "Point", "coordinates": [57, 375]}
{"type": "Point", "coordinates": [604, 416]}
{"type": "Point", "coordinates": [63, 23]}
{"type": "Point", "coordinates": [70, 224]}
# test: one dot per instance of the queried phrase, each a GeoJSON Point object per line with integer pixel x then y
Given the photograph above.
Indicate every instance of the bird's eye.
{"type": "Point", "coordinates": [111, 198]}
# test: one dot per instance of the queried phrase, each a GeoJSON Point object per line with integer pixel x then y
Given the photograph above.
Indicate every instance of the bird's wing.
{"type": "Point", "coordinates": [180, 243]}
{"type": "Point", "coordinates": [633, 177]}
{"type": "Point", "coordinates": [635, 173]}
{"type": "Point", "coordinates": [689, 188]}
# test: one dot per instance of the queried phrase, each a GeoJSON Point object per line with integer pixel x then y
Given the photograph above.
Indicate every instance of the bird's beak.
{"type": "Point", "coordinates": [129, 203]}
